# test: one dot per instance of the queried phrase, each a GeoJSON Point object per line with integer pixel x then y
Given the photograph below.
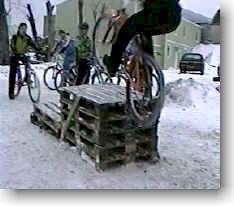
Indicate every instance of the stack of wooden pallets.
{"type": "Point", "coordinates": [100, 126]}
{"type": "Point", "coordinates": [48, 117]}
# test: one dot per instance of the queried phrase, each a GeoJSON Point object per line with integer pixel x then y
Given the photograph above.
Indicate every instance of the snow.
{"type": "Point", "coordinates": [189, 134]}
{"type": "Point", "coordinates": [211, 52]}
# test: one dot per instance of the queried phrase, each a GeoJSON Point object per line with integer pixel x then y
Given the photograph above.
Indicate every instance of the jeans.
{"type": "Point", "coordinates": [83, 72]}
{"type": "Point", "coordinates": [14, 66]}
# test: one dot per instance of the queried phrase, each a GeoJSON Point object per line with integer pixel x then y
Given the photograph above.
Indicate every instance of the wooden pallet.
{"type": "Point", "coordinates": [47, 116]}
{"type": "Point", "coordinates": [98, 124]}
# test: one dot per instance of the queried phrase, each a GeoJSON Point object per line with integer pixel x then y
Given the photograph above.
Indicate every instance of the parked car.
{"type": "Point", "coordinates": [192, 62]}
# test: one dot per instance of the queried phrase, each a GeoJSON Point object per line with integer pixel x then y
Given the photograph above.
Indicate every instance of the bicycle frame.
{"type": "Point", "coordinates": [29, 71]}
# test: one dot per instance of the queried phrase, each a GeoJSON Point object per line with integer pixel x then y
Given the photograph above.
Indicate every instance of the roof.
{"type": "Point", "coordinates": [216, 18]}
{"type": "Point", "coordinates": [195, 24]}
{"type": "Point", "coordinates": [195, 17]}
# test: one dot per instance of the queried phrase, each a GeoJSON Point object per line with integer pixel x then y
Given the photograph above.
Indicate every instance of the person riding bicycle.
{"type": "Point", "coordinates": [18, 48]}
{"type": "Point", "coordinates": [83, 54]}
{"type": "Point", "coordinates": [66, 46]}
{"type": "Point", "coordinates": [157, 17]}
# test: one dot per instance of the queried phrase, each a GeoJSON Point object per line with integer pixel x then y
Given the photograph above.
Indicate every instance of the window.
{"type": "Point", "coordinates": [196, 36]}
{"type": "Point", "coordinates": [168, 50]}
{"type": "Point", "coordinates": [192, 57]}
{"type": "Point", "coordinates": [184, 31]}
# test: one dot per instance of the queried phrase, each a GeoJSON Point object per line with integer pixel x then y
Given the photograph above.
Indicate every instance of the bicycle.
{"type": "Point", "coordinates": [30, 80]}
{"type": "Point", "coordinates": [142, 77]}
{"type": "Point", "coordinates": [98, 76]}
{"type": "Point", "coordinates": [66, 79]}
{"type": "Point", "coordinates": [50, 73]}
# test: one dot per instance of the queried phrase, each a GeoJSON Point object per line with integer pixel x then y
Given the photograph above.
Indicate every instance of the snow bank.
{"type": "Point", "coordinates": [187, 93]}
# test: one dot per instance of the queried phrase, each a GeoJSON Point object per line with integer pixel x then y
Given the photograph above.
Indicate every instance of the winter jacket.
{"type": "Point", "coordinates": [84, 47]}
{"type": "Point", "coordinates": [19, 44]}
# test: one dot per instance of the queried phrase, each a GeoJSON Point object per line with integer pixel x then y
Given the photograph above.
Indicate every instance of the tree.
{"type": "Point", "coordinates": [4, 35]}
{"type": "Point", "coordinates": [32, 22]}
{"type": "Point", "coordinates": [99, 9]}
{"type": "Point", "coordinates": [80, 7]}
{"type": "Point", "coordinates": [51, 27]}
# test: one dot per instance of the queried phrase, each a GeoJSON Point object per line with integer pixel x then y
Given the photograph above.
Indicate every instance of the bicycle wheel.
{"type": "Point", "coordinates": [147, 100]}
{"type": "Point", "coordinates": [100, 78]}
{"type": "Point", "coordinates": [59, 80]}
{"type": "Point", "coordinates": [120, 80]}
{"type": "Point", "coordinates": [34, 87]}
{"type": "Point", "coordinates": [18, 82]}
{"type": "Point", "coordinates": [101, 39]}
{"type": "Point", "coordinates": [49, 77]}
{"type": "Point", "coordinates": [64, 80]}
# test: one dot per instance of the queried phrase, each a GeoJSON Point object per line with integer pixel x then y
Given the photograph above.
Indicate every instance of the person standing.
{"type": "Point", "coordinates": [83, 54]}
{"type": "Point", "coordinates": [66, 47]}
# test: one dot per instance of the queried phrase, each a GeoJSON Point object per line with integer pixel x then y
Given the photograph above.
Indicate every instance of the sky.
{"type": "Point", "coordinates": [205, 7]}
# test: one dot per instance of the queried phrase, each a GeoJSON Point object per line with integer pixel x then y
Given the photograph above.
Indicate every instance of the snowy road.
{"type": "Point", "coordinates": [189, 144]}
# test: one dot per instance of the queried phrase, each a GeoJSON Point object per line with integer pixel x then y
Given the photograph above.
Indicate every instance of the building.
{"type": "Point", "coordinates": [45, 28]}
{"type": "Point", "coordinates": [211, 30]}
{"type": "Point", "coordinates": [168, 48]}
{"type": "Point", "coordinates": [216, 28]}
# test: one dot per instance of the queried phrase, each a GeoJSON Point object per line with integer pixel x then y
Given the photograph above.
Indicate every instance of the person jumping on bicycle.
{"type": "Point", "coordinates": [18, 47]}
{"type": "Point", "coordinates": [83, 54]}
{"type": "Point", "coordinates": [157, 17]}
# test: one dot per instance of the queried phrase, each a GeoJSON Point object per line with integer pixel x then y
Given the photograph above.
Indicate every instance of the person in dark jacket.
{"type": "Point", "coordinates": [157, 17]}
{"type": "Point", "coordinates": [18, 46]}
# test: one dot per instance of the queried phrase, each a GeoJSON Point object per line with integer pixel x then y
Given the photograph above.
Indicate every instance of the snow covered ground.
{"type": "Point", "coordinates": [189, 142]}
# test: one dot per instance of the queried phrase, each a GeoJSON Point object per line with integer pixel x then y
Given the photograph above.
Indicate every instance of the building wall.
{"type": "Point", "coordinates": [215, 34]}
{"type": "Point", "coordinates": [159, 45]}
{"type": "Point", "coordinates": [46, 29]}
{"type": "Point", "coordinates": [176, 43]}
{"type": "Point", "coordinates": [67, 16]}
{"type": "Point", "coordinates": [210, 33]}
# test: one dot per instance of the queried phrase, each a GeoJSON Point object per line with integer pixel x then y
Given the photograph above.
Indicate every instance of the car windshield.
{"type": "Point", "coordinates": [192, 57]}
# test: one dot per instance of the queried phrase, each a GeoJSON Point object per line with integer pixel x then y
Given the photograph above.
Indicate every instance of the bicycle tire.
{"type": "Point", "coordinates": [18, 83]}
{"type": "Point", "coordinates": [58, 83]}
{"type": "Point", "coordinates": [119, 78]}
{"type": "Point", "coordinates": [102, 78]}
{"type": "Point", "coordinates": [55, 69]}
{"type": "Point", "coordinates": [154, 103]}
{"type": "Point", "coordinates": [34, 85]}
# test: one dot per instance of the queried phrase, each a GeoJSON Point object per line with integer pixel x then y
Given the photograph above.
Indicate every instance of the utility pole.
{"type": "Point", "coordinates": [50, 27]}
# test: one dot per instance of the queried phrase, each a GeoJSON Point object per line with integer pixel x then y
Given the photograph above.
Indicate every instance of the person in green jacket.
{"type": "Point", "coordinates": [83, 54]}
